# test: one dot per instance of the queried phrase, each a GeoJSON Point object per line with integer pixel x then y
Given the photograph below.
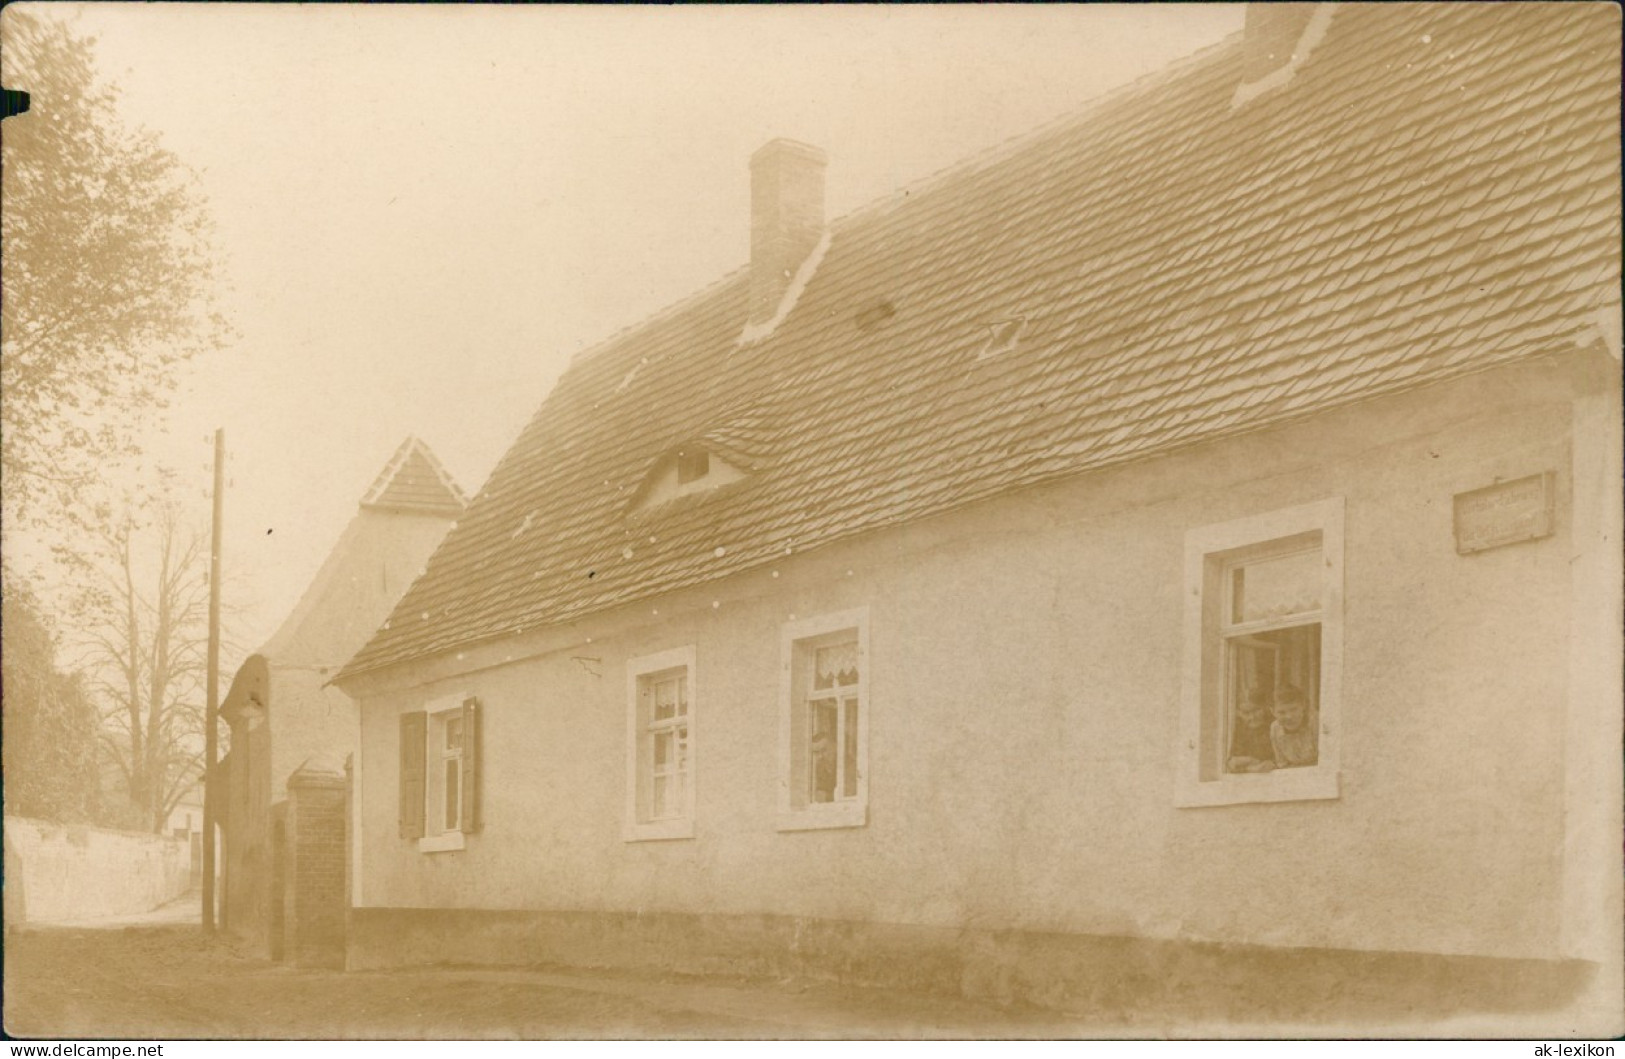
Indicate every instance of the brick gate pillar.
{"type": "Point", "coordinates": [313, 895]}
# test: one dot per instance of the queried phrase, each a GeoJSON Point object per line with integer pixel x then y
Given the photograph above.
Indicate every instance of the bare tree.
{"type": "Point", "coordinates": [142, 612]}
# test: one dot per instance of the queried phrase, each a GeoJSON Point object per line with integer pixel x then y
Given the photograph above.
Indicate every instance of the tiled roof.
{"type": "Point", "coordinates": [414, 481]}
{"type": "Point", "coordinates": [1434, 192]}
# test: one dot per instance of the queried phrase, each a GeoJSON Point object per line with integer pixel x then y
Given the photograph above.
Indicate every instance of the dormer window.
{"type": "Point", "coordinates": [1002, 336]}
{"type": "Point", "coordinates": [705, 462]}
{"type": "Point", "coordinates": [684, 471]}
{"type": "Point", "coordinates": [693, 463]}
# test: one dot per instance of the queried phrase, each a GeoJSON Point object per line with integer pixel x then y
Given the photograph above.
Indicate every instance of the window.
{"type": "Point", "coordinates": [439, 777]}
{"type": "Point", "coordinates": [824, 723]}
{"type": "Point", "coordinates": [447, 743]}
{"type": "Point", "coordinates": [1263, 652]}
{"type": "Point", "coordinates": [1002, 336]}
{"type": "Point", "coordinates": [660, 742]}
{"type": "Point", "coordinates": [692, 469]}
{"type": "Point", "coordinates": [693, 463]}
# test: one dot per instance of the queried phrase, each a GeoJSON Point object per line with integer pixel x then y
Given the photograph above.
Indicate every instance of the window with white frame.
{"type": "Point", "coordinates": [446, 763]}
{"type": "Point", "coordinates": [1263, 650]}
{"type": "Point", "coordinates": [439, 773]}
{"type": "Point", "coordinates": [660, 746]}
{"type": "Point", "coordinates": [824, 705]}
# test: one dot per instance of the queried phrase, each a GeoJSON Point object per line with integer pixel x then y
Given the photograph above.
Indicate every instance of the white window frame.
{"type": "Point", "coordinates": [803, 636]}
{"type": "Point", "coordinates": [444, 791]}
{"type": "Point", "coordinates": [437, 838]}
{"type": "Point", "coordinates": [1210, 552]}
{"type": "Point", "coordinates": [639, 827]}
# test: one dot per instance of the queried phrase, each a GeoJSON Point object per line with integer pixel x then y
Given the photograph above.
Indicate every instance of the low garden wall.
{"type": "Point", "coordinates": [65, 873]}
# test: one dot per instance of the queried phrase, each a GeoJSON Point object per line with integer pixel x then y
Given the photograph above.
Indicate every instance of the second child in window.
{"type": "Point", "coordinates": [1293, 734]}
{"type": "Point", "coordinates": [1251, 748]}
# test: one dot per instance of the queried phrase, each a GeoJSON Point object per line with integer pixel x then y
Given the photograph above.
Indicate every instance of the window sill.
{"type": "Point", "coordinates": [1284, 785]}
{"type": "Point", "coordinates": [659, 830]}
{"type": "Point", "coordinates": [445, 842]}
{"type": "Point", "coordinates": [814, 818]}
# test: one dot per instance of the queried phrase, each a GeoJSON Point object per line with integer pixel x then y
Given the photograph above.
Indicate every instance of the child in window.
{"type": "Point", "coordinates": [823, 767]}
{"type": "Point", "coordinates": [1292, 736]}
{"type": "Point", "coordinates": [1251, 749]}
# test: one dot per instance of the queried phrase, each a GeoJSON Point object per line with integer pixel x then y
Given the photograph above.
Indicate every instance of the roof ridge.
{"type": "Point", "coordinates": [666, 312]}
{"type": "Point", "coordinates": [985, 158]}
{"type": "Point", "coordinates": [377, 493]}
{"type": "Point", "coordinates": [1086, 112]}
{"type": "Point", "coordinates": [1200, 271]}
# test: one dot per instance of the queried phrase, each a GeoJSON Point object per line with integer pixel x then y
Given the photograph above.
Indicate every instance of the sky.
{"type": "Point", "coordinates": [424, 212]}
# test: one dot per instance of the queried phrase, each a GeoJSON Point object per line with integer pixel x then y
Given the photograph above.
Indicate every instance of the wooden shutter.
{"type": "Point", "coordinates": [473, 761]}
{"type": "Point", "coordinates": [414, 744]}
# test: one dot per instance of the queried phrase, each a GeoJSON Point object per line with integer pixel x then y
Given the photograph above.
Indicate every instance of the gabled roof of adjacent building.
{"type": "Point", "coordinates": [1433, 191]}
{"type": "Point", "coordinates": [414, 481]}
{"type": "Point", "coordinates": [402, 518]}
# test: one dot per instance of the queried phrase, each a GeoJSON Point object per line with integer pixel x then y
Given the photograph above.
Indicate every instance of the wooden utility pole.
{"type": "Point", "coordinates": [211, 710]}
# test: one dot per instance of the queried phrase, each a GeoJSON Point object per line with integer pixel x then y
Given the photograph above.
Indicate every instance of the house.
{"type": "Point", "coordinates": [286, 721]}
{"type": "Point", "coordinates": [1181, 545]}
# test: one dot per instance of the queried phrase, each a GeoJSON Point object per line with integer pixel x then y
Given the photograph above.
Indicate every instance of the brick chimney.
{"type": "Point", "coordinates": [1269, 35]}
{"type": "Point", "coordinates": [786, 219]}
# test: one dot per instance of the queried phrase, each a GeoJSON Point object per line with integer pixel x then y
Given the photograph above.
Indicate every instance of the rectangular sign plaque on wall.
{"type": "Point", "coordinates": [1504, 513]}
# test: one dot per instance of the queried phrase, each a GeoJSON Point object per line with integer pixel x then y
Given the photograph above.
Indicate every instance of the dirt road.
{"type": "Point", "coordinates": [170, 983]}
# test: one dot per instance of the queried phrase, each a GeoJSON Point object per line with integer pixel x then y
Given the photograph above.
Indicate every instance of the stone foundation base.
{"type": "Point", "coordinates": [1121, 979]}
